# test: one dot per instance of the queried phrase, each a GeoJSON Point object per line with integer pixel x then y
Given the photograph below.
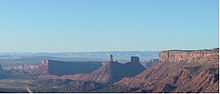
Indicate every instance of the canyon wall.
{"type": "Point", "coordinates": [179, 71]}
{"type": "Point", "coordinates": [190, 56]}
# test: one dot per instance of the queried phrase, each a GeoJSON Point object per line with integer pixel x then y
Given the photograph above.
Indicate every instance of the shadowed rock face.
{"type": "Point", "coordinates": [69, 68]}
{"type": "Point", "coordinates": [110, 72]}
{"type": "Point", "coordinates": [172, 76]}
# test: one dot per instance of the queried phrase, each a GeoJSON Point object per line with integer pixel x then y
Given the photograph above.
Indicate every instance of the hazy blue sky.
{"type": "Point", "coordinates": [106, 25]}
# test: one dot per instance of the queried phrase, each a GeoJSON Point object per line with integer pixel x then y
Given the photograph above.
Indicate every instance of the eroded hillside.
{"type": "Point", "coordinates": [178, 71]}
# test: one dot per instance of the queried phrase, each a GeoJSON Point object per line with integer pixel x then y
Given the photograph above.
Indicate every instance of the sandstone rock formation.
{"type": "Point", "coordinates": [110, 72]}
{"type": "Point", "coordinates": [178, 71]}
{"type": "Point", "coordinates": [56, 67]}
{"type": "Point", "coordinates": [114, 71]}
{"type": "Point", "coordinates": [190, 56]}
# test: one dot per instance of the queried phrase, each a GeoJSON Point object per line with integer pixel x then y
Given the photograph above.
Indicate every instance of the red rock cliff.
{"type": "Point", "coordinates": [192, 56]}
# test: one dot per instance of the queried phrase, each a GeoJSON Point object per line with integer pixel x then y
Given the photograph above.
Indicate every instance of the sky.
{"type": "Point", "coordinates": [107, 25]}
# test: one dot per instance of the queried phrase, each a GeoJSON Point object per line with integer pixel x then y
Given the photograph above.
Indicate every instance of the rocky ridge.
{"type": "Point", "coordinates": [190, 56]}
{"type": "Point", "coordinates": [178, 71]}
{"type": "Point", "coordinates": [110, 72]}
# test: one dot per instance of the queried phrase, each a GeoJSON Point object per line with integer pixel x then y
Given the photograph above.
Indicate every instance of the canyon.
{"type": "Point", "coordinates": [176, 71]}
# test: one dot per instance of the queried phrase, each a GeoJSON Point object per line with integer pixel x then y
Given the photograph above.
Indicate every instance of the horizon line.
{"type": "Point", "coordinates": [155, 50]}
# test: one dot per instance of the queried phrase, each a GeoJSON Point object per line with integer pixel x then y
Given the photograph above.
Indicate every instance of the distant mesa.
{"type": "Point", "coordinates": [110, 72]}
{"type": "Point", "coordinates": [190, 56]}
{"type": "Point", "coordinates": [60, 68]}
{"type": "Point", "coordinates": [115, 71]}
{"type": "Point", "coordinates": [178, 71]}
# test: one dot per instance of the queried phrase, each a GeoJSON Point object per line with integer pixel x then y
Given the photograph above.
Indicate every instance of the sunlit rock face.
{"type": "Point", "coordinates": [178, 71]}
{"type": "Point", "coordinates": [190, 56]}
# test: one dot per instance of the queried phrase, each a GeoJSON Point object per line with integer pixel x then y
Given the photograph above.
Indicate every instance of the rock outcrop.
{"type": "Point", "coordinates": [190, 56]}
{"type": "Point", "coordinates": [178, 71]}
{"type": "Point", "coordinates": [110, 72]}
{"type": "Point", "coordinates": [172, 74]}
{"type": "Point", "coordinates": [114, 71]}
{"type": "Point", "coordinates": [61, 68]}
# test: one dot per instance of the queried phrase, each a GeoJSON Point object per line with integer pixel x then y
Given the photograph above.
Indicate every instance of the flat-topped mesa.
{"type": "Point", "coordinates": [190, 56]}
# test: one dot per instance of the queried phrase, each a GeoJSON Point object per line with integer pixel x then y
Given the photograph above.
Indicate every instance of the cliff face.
{"type": "Point", "coordinates": [114, 71]}
{"type": "Point", "coordinates": [171, 77]}
{"type": "Point", "coordinates": [190, 56]}
{"type": "Point", "coordinates": [108, 73]}
{"type": "Point", "coordinates": [196, 75]}
{"type": "Point", "coordinates": [60, 68]}
{"type": "Point", "coordinates": [178, 71]}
